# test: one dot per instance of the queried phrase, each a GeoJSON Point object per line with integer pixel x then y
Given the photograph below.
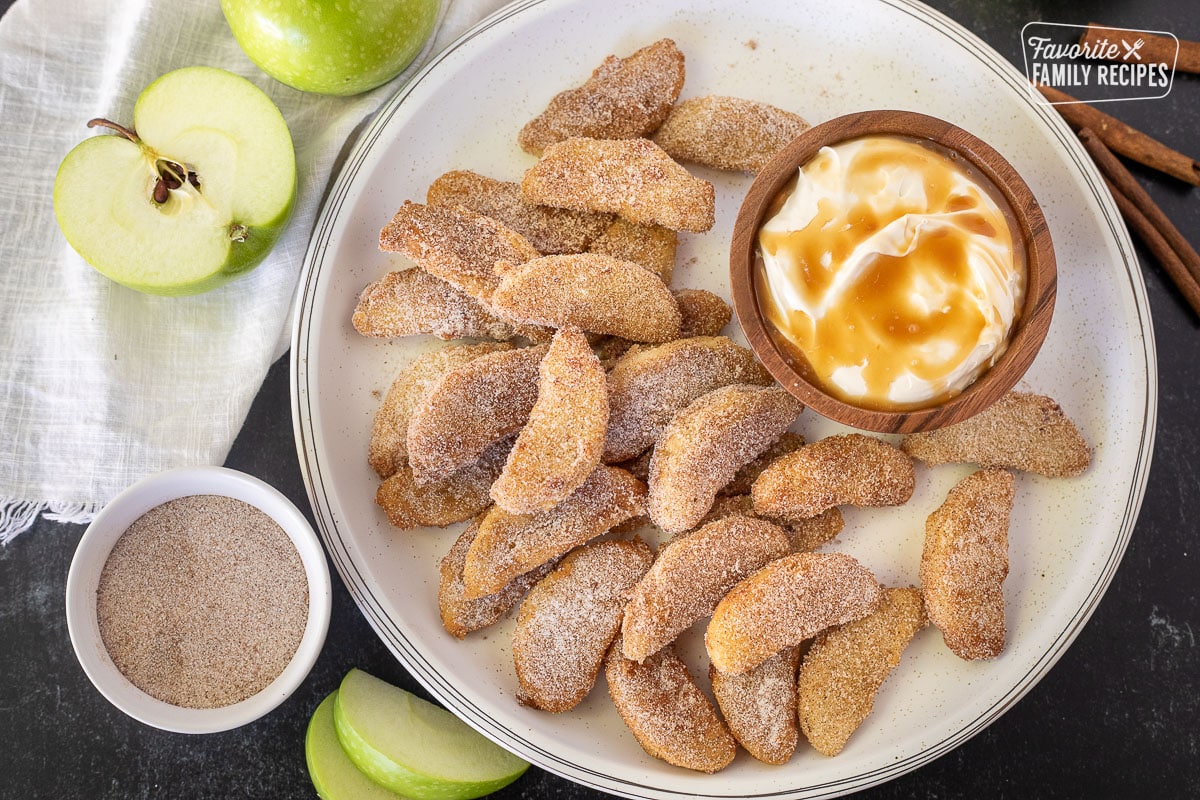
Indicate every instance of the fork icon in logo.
{"type": "Point", "coordinates": [1131, 50]}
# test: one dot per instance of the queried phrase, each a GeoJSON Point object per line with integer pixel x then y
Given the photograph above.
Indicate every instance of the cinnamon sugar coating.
{"type": "Point", "coordinates": [703, 313]}
{"type": "Point", "coordinates": [760, 706]}
{"type": "Point", "coordinates": [846, 665]}
{"type": "Point", "coordinates": [596, 293]}
{"type": "Point", "coordinates": [649, 386]}
{"type": "Point", "coordinates": [803, 534]}
{"type": "Point", "coordinates": [388, 448]}
{"type": "Point", "coordinates": [788, 442]}
{"type": "Point", "coordinates": [668, 714]}
{"type": "Point", "coordinates": [568, 620]}
{"type": "Point", "coordinates": [964, 561]}
{"type": "Point", "coordinates": [727, 133]}
{"type": "Point", "coordinates": [651, 246]}
{"type": "Point", "coordinates": [411, 302]}
{"type": "Point", "coordinates": [851, 469]}
{"type": "Point", "coordinates": [789, 600]}
{"type": "Point", "coordinates": [470, 408]}
{"type": "Point", "coordinates": [630, 177]}
{"type": "Point", "coordinates": [549, 230]}
{"type": "Point", "coordinates": [455, 244]}
{"type": "Point", "coordinates": [705, 445]}
{"type": "Point", "coordinates": [561, 443]}
{"type": "Point", "coordinates": [1028, 432]}
{"type": "Point", "coordinates": [690, 576]}
{"type": "Point", "coordinates": [462, 615]}
{"type": "Point", "coordinates": [623, 98]}
{"type": "Point", "coordinates": [511, 544]}
{"type": "Point", "coordinates": [443, 502]}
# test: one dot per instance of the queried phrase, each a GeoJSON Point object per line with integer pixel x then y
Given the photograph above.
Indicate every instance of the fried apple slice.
{"type": "Point", "coordinates": [455, 244]}
{"type": "Point", "coordinates": [760, 706]}
{"type": "Point", "coordinates": [690, 576]}
{"type": "Point", "coordinates": [561, 443]}
{"type": "Point", "coordinates": [568, 620]}
{"type": "Point", "coordinates": [964, 562]}
{"type": "Point", "coordinates": [651, 246]}
{"type": "Point", "coordinates": [596, 293]}
{"type": "Point", "coordinates": [470, 408]}
{"type": "Point", "coordinates": [1022, 431]}
{"type": "Point", "coordinates": [702, 312]}
{"type": "Point", "coordinates": [804, 534]}
{"type": "Point", "coordinates": [846, 665]}
{"type": "Point", "coordinates": [649, 386]}
{"type": "Point", "coordinates": [462, 615]}
{"type": "Point", "coordinates": [511, 544]}
{"type": "Point", "coordinates": [727, 133]}
{"type": "Point", "coordinates": [549, 230]}
{"type": "Point", "coordinates": [789, 600]}
{"type": "Point", "coordinates": [623, 98]}
{"type": "Point", "coordinates": [444, 502]}
{"type": "Point", "coordinates": [850, 469]}
{"type": "Point", "coordinates": [388, 449]}
{"type": "Point", "coordinates": [704, 446]}
{"type": "Point", "coordinates": [630, 177]}
{"type": "Point", "coordinates": [666, 711]}
{"type": "Point", "coordinates": [788, 442]}
{"type": "Point", "coordinates": [411, 302]}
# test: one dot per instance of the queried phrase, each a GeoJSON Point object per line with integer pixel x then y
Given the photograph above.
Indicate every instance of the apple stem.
{"type": "Point", "coordinates": [100, 122]}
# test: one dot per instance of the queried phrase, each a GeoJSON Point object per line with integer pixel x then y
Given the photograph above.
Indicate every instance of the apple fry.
{"type": "Point", "coordinates": [561, 443]}
{"type": "Point", "coordinates": [630, 177]}
{"type": "Point", "coordinates": [456, 498]}
{"type": "Point", "coordinates": [760, 706]}
{"type": "Point", "coordinates": [623, 98]}
{"type": "Point", "coordinates": [702, 313]}
{"type": "Point", "coordinates": [727, 133]}
{"type": "Point", "coordinates": [411, 302]}
{"type": "Point", "coordinates": [652, 246]}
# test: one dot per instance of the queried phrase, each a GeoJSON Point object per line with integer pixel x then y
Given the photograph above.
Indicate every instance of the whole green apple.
{"type": "Point", "coordinates": [340, 47]}
{"type": "Point", "coordinates": [194, 194]}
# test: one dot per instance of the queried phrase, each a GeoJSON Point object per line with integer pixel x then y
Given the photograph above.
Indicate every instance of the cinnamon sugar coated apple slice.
{"type": "Point", "coordinates": [596, 293]}
{"type": "Point", "coordinates": [412, 302]}
{"type": "Point", "coordinates": [787, 601]}
{"type": "Point", "coordinates": [964, 562]}
{"type": "Point", "coordinates": [669, 715]}
{"type": "Point", "coordinates": [846, 665]}
{"type": "Point", "coordinates": [850, 469]}
{"type": "Point", "coordinates": [623, 97]}
{"type": "Point", "coordinates": [760, 706]}
{"type": "Point", "coordinates": [648, 387]}
{"type": "Point", "coordinates": [511, 544]}
{"type": "Point", "coordinates": [388, 449]}
{"type": "Point", "coordinates": [651, 246]}
{"type": "Point", "coordinates": [727, 132]}
{"type": "Point", "coordinates": [561, 443]}
{"type": "Point", "coordinates": [690, 576]}
{"type": "Point", "coordinates": [705, 445]}
{"type": "Point", "coordinates": [470, 408]}
{"type": "Point", "coordinates": [569, 619]}
{"type": "Point", "coordinates": [1022, 431]}
{"type": "Point", "coordinates": [443, 502]}
{"type": "Point", "coordinates": [630, 177]}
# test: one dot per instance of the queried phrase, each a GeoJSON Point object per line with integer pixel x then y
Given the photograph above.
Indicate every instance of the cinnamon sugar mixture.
{"type": "Point", "coordinates": [203, 601]}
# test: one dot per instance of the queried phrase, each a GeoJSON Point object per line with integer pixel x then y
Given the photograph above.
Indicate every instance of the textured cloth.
{"type": "Point", "coordinates": [101, 385]}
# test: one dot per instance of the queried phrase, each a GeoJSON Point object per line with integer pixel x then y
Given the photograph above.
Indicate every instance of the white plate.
{"type": "Point", "coordinates": [464, 111]}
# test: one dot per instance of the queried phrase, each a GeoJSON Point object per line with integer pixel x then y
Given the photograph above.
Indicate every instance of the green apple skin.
{"type": "Point", "coordinates": [333, 774]}
{"type": "Point", "coordinates": [341, 48]}
{"type": "Point", "coordinates": [415, 748]}
{"type": "Point", "coordinates": [238, 143]}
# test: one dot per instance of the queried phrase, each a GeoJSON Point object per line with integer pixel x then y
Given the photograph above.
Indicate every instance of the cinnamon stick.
{"type": "Point", "coordinates": [1122, 138]}
{"type": "Point", "coordinates": [1115, 171]}
{"type": "Point", "coordinates": [1154, 49]}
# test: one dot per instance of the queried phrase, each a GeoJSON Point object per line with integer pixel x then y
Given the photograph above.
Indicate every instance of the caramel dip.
{"type": "Point", "coordinates": [889, 268]}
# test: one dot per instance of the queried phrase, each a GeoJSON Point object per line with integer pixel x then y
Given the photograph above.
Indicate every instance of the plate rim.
{"type": "Point", "coordinates": [443, 690]}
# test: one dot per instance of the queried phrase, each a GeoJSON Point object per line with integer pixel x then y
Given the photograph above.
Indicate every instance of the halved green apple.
{"type": "Point", "coordinates": [333, 774]}
{"type": "Point", "coordinates": [195, 194]}
{"type": "Point", "coordinates": [415, 748]}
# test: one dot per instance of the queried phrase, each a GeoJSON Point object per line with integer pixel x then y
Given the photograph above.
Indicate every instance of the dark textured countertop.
{"type": "Point", "coordinates": [1116, 717]}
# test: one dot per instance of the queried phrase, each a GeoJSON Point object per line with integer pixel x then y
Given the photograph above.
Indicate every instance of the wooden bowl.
{"type": "Point", "coordinates": [1029, 233]}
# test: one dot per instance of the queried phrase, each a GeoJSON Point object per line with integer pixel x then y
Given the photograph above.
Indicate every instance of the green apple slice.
{"type": "Point", "coordinates": [230, 155]}
{"type": "Point", "coordinates": [333, 773]}
{"type": "Point", "coordinates": [415, 748]}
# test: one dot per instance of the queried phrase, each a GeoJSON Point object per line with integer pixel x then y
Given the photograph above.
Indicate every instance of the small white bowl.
{"type": "Point", "coordinates": [94, 548]}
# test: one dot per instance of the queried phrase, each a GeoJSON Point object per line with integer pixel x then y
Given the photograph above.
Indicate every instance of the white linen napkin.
{"type": "Point", "coordinates": [101, 385]}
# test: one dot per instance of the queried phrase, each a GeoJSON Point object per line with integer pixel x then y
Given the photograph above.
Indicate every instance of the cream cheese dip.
{"type": "Point", "coordinates": [891, 268]}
